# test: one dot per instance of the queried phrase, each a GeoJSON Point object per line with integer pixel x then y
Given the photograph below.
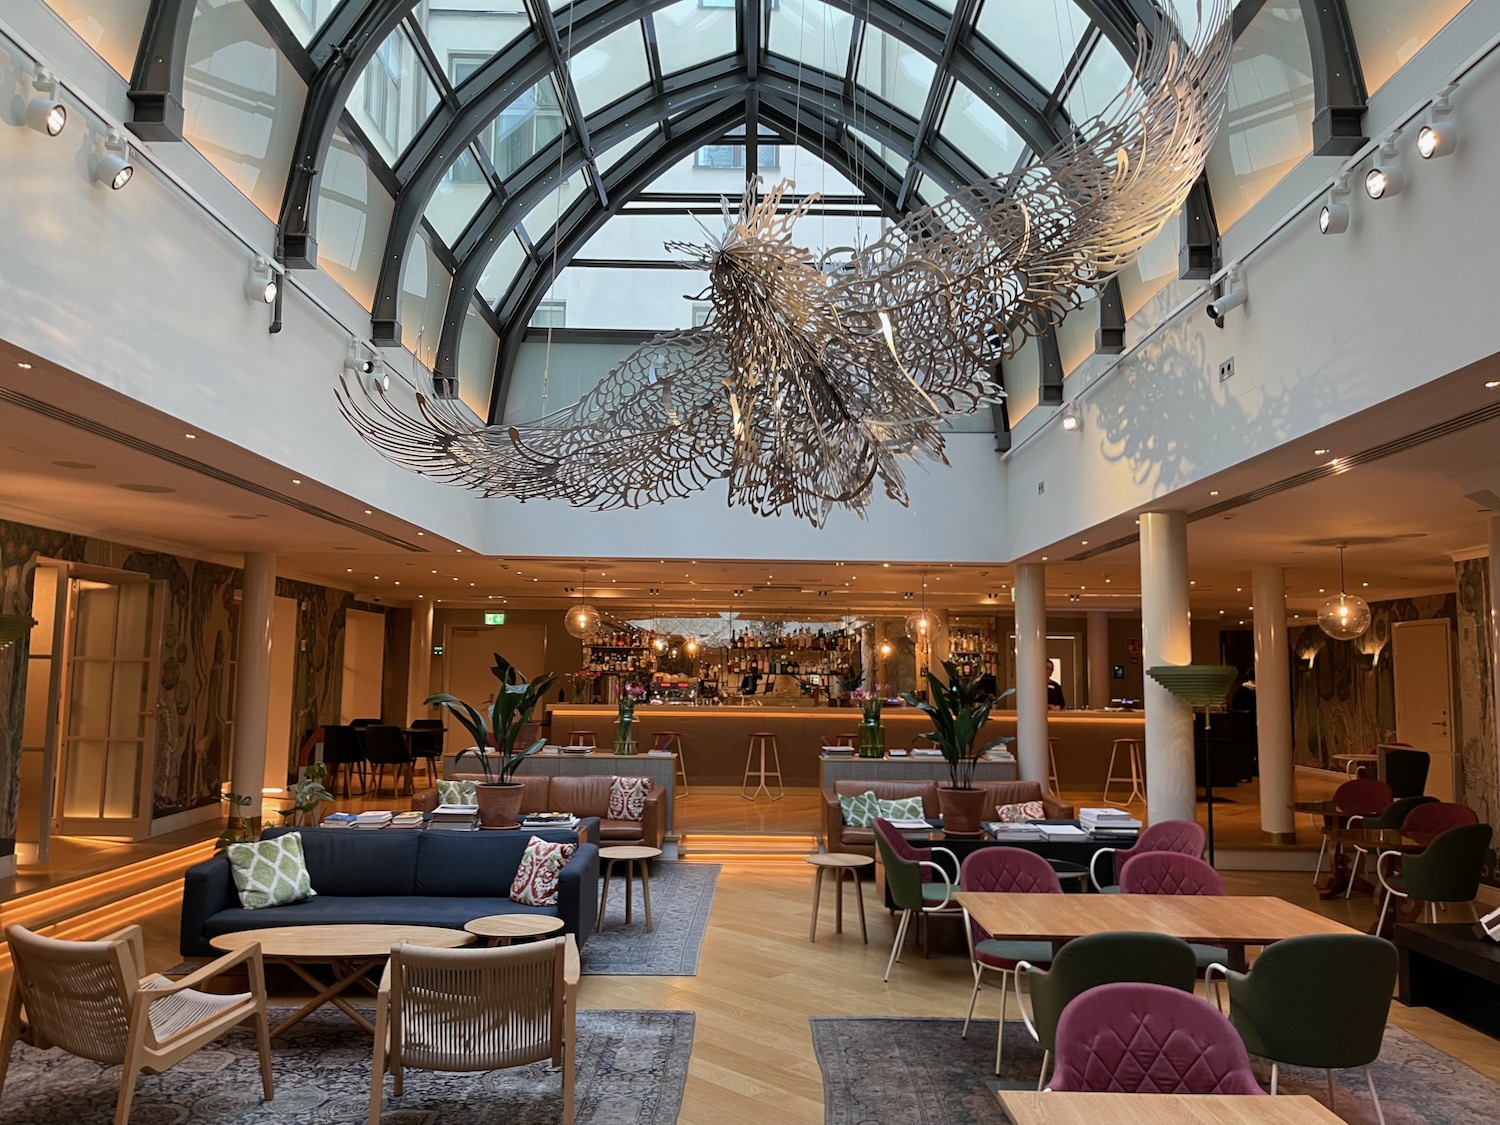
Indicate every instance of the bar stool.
{"type": "Point", "coordinates": [1052, 763]}
{"type": "Point", "coordinates": [583, 738]}
{"type": "Point", "coordinates": [670, 741]}
{"type": "Point", "coordinates": [758, 743]}
{"type": "Point", "coordinates": [1133, 749]}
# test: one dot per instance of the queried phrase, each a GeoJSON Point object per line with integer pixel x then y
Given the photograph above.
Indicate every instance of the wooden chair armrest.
{"type": "Point", "coordinates": [216, 967]}
{"type": "Point", "coordinates": [572, 969]}
{"type": "Point", "coordinates": [136, 939]}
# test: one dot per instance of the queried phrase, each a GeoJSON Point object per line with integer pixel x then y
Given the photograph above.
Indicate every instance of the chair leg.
{"type": "Point", "coordinates": [1384, 906]}
{"type": "Point", "coordinates": [1041, 1079]}
{"type": "Point", "coordinates": [1330, 1090]}
{"type": "Point", "coordinates": [896, 948]}
{"type": "Point", "coordinates": [1000, 1040]}
{"type": "Point", "coordinates": [973, 999]}
{"type": "Point", "coordinates": [1275, 1071]}
{"type": "Point", "coordinates": [127, 1094]}
{"type": "Point", "coordinates": [1359, 860]}
{"type": "Point", "coordinates": [1318, 870]}
{"type": "Point", "coordinates": [1374, 1097]}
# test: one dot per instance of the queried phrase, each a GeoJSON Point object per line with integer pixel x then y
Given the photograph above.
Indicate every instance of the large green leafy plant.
{"type": "Point", "coordinates": [958, 709]}
{"type": "Point", "coordinates": [514, 702]}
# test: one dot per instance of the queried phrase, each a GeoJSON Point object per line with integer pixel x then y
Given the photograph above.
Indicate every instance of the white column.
{"type": "Point", "coordinates": [1494, 627]}
{"type": "Point", "coordinates": [1031, 672]}
{"type": "Point", "coordinates": [419, 662]}
{"type": "Point", "coordinates": [253, 690]}
{"type": "Point", "coordinates": [1166, 638]}
{"type": "Point", "coordinates": [1273, 704]}
{"type": "Point", "coordinates": [1099, 668]}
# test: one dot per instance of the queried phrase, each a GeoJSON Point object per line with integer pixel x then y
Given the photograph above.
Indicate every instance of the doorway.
{"type": "Point", "coordinates": [1422, 664]}
{"type": "Point", "coordinates": [468, 656]}
{"type": "Point", "coordinates": [364, 665]}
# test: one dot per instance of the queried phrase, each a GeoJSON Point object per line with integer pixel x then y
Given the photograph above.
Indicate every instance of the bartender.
{"type": "Point", "coordinates": [1056, 701]}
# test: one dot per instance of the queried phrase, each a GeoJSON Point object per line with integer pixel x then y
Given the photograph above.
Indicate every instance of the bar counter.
{"type": "Point", "coordinates": [715, 739]}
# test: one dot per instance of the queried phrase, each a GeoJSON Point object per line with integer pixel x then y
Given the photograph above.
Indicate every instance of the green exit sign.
{"type": "Point", "coordinates": [437, 650]}
{"type": "Point", "coordinates": [494, 619]}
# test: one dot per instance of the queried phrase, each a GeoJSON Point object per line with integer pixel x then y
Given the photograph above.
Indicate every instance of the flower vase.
{"type": "Point", "coordinates": [871, 739]}
{"type": "Point", "coordinates": [624, 742]}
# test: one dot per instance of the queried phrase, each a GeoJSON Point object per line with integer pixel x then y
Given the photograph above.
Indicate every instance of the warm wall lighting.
{"type": "Point", "coordinates": [114, 169]}
{"type": "Point", "coordinates": [44, 112]}
{"type": "Point", "coordinates": [1385, 179]}
{"type": "Point", "coordinates": [1333, 217]}
{"type": "Point", "coordinates": [261, 285]}
{"type": "Point", "coordinates": [1439, 137]}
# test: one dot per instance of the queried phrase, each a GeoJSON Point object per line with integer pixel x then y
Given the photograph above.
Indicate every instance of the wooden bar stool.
{"type": "Point", "coordinates": [841, 864]}
{"type": "Point", "coordinates": [1135, 777]}
{"type": "Point", "coordinates": [1052, 763]}
{"type": "Point", "coordinates": [670, 741]}
{"type": "Point", "coordinates": [583, 738]}
{"type": "Point", "coordinates": [758, 743]}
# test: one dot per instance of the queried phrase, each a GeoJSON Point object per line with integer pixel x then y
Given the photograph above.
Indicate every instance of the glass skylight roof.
{"type": "Point", "coordinates": [690, 32]}
{"type": "Point", "coordinates": [610, 69]}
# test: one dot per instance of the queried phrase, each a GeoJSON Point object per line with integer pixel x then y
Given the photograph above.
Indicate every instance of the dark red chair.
{"type": "Point", "coordinates": [1003, 871]}
{"type": "Point", "coordinates": [1133, 1038]}
{"type": "Point", "coordinates": [1172, 873]}
{"type": "Point", "coordinates": [1185, 836]}
{"type": "Point", "coordinates": [1428, 821]}
{"type": "Point", "coordinates": [1362, 797]}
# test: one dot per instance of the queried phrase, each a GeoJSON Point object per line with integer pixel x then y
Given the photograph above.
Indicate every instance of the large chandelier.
{"type": "Point", "coordinates": [815, 378]}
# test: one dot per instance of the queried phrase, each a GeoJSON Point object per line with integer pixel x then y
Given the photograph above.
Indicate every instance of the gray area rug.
{"type": "Point", "coordinates": [631, 1068]}
{"type": "Point", "coordinates": [682, 894]}
{"type": "Point", "coordinates": [909, 1071]}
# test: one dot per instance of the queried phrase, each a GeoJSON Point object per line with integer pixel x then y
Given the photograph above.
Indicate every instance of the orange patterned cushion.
{"type": "Point", "coordinates": [627, 798]}
{"type": "Point", "coordinates": [536, 879]}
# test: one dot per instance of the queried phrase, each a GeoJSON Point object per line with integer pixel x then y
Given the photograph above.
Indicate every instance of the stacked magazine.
{"type": "Point", "coordinates": [1109, 823]}
{"type": "Point", "coordinates": [455, 818]}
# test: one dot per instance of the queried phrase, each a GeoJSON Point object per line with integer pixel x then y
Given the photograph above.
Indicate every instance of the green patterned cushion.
{"type": "Point", "coordinates": [907, 808]}
{"type": "Point", "coordinates": [860, 811]}
{"type": "Point", "coordinates": [457, 792]}
{"type": "Point", "coordinates": [271, 872]}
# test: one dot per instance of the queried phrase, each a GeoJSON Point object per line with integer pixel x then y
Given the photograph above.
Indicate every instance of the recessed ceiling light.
{"type": "Point", "coordinates": [421, 533]}
{"type": "Point", "coordinates": [191, 437]}
{"type": "Point", "coordinates": [296, 480]}
{"type": "Point", "coordinates": [398, 582]}
{"type": "Point", "coordinates": [1321, 452]}
{"type": "Point", "coordinates": [1044, 558]}
{"type": "Point", "coordinates": [368, 512]}
{"type": "Point", "coordinates": [1489, 386]}
{"type": "Point", "coordinates": [348, 570]}
{"type": "Point", "coordinates": [377, 578]}
{"type": "Point", "coordinates": [1213, 491]}
{"type": "Point", "coordinates": [153, 489]}
{"type": "Point", "coordinates": [75, 465]}
{"type": "Point", "coordinates": [1085, 542]}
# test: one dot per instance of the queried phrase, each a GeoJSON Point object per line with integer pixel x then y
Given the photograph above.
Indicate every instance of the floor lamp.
{"type": "Point", "coordinates": [1199, 685]}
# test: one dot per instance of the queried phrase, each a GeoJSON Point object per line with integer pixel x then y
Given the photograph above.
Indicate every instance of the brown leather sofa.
{"type": "Point", "coordinates": [839, 837]}
{"type": "Point", "coordinates": [583, 797]}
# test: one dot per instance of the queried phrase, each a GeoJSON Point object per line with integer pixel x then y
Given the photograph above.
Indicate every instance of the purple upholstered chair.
{"type": "Point", "coordinates": [1172, 873]}
{"type": "Point", "coordinates": [1134, 1038]}
{"type": "Point", "coordinates": [1183, 836]}
{"type": "Point", "coordinates": [1003, 871]}
{"type": "Point", "coordinates": [1427, 822]}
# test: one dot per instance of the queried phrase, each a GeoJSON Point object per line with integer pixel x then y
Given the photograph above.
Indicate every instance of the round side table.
{"type": "Point", "coordinates": [841, 864]}
{"type": "Point", "coordinates": [502, 929]}
{"type": "Point", "coordinates": [634, 857]}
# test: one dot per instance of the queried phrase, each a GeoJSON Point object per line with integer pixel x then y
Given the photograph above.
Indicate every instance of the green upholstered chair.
{"type": "Point", "coordinates": [1405, 771]}
{"type": "Point", "coordinates": [1447, 870]}
{"type": "Point", "coordinates": [1319, 1001]}
{"type": "Point", "coordinates": [1393, 817]}
{"type": "Point", "coordinates": [1096, 959]}
{"type": "Point", "coordinates": [903, 878]}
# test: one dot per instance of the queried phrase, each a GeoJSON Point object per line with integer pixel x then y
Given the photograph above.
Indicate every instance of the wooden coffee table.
{"type": "Point", "coordinates": [502, 929]}
{"type": "Point", "coordinates": [350, 951]}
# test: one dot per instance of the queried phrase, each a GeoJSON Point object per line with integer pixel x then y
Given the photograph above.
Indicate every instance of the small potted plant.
{"type": "Point", "coordinates": [495, 738]}
{"type": "Point", "coordinates": [871, 730]}
{"type": "Point", "coordinates": [308, 796]}
{"type": "Point", "coordinates": [630, 695]}
{"type": "Point", "coordinates": [959, 710]}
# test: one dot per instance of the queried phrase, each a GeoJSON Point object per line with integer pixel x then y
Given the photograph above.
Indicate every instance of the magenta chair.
{"type": "Point", "coordinates": [1133, 1038]}
{"type": "Point", "coordinates": [1003, 871]}
{"type": "Point", "coordinates": [1172, 873]}
{"type": "Point", "coordinates": [1362, 797]}
{"type": "Point", "coordinates": [1183, 836]}
{"type": "Point", "coordinates": [1427, 822]}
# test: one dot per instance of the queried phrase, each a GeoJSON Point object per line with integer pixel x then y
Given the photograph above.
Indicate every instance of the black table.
{"type": "Point", "coordinates": [1450, 968]}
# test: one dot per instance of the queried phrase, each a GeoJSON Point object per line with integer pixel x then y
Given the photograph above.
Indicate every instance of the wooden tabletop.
{"type": "Point", "coordinates": [315, 943]}
{"type": "Point", "coordinates": [1224, 919]}
{"type": "Point", "coordinates": [628, 851]}
{"type": "Point", "coordinates": [1027, 1107]}
{"type": "Point", "coordinates": [513, 925]}
{"type": "Point", "coordinates": [838, 859]}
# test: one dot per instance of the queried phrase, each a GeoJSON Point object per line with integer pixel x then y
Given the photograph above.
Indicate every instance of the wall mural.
{"type": "Point", "coordinates": [1474, 730]}
{"type": "Point", "coordinates": [194, 709]}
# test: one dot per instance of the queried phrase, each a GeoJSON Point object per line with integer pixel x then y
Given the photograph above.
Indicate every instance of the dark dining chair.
{"type": "Point", "coordinates": [1447, 870]}
{"type": "Point", "coordinates": [344, 755]}
{"type": "Point", "coordinates": [386, 746]}
{"type": "Point", "coordinates": [907, 875]}
{"type": "Point", "coordinates": [1395, 816]}
{"type": "Point", "coordinates": [424, 739]}
{"type": "Point", "coordinates": [1406, 771]}
{"type": "Point", "coordinates": [1363, 796]}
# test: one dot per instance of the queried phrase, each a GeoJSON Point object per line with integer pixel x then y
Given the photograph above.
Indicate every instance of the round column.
{"type": "Point", "coordinates": [1273, 704]}
{"type": "Point", "coordinates": [419, 662]}
{"type": "Point", "coordinates": [1031, 672]}
{"type": "Point", "coordinates": [1098, 654]}
{"type": "Point", "coordinates": [1166, 638]}
{"type": "Point", "coordinates": [253, 689]}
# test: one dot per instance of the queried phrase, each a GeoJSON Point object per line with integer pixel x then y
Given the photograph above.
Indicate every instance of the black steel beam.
{"type": "Point", "coordinates": [155, 94]}
{"type": "Point", "coordinates": [937, 97]}
{"type": "Point", "coordinates": [1339, 94]}
{"type": "Point", "coordinates": [1198, 254]}
{"type": "Point", "coordinates": [346, 43]}
{"type": "Point", "coordinates": [1109, 336]}
{"type": "Point", "coordinates": [1118, 20]}
{"type": "Point", "coordinates": [1049, 368]}
{"type": "Point", "coordinates": [542, 18]}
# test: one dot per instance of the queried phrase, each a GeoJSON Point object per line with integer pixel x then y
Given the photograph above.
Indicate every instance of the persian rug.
{"type": "Point", "coordinates": [682, 894]}
{"type": "Point", "coordinates": [631, 1068]}
{"type": "Point", "coordinates": [912, 1071]}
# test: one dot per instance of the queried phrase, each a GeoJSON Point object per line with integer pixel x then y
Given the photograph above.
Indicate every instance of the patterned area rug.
{"type": "Point", "coordinates": [919, 1072]}
{"type": "Point", "coordinates": [631, 1068]}
{"type": "Point", "coordinates": [682, 894]}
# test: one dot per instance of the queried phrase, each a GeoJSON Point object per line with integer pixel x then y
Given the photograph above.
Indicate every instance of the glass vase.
{"type": "Point", "coordinates": [871, 739]}
{"type": "Point", "coordinates": [624, 739]}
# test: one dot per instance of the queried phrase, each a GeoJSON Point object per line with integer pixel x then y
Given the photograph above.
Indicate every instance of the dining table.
{"type": "Point", "coordinates": [1051, 1107]}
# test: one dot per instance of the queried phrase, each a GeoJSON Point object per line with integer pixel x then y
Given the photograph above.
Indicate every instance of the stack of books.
{"type": "Point", "coordinates": [406, 820]}
{"type": "Point", "coordinates": [339, 820]}
{"type": "Point", "coordinates": [835, 751]}
{"type": "Point", "coordinates": [1013, 828]}
{"type": "Point", "coordinates": [926, 752]}
{"type": "Point", "coordinates": [549, 820]}
{"type": "Point", "coordinates": [374, 818]}
{"type": "Point", "coordinates": [1109, 823]}
{"type": "Point", "coordinates": [455, 818]}
{"type": "Point", "coordinates": [1062, 832]}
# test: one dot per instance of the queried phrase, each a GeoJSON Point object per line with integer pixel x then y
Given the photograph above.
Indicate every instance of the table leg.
{"type": "Point", "coordinates": [345, 973]}
{"type": "Point", "coordinates": [604, 893]}
{"type": "Point", "coordinates": [838, 902]}
{"type": "Point", "coordinates": [646, 892]}
{"type": "Point", "coordinates": [812, 930]}
{"type": "Point", "coordinates": [859, 898]}
{"type": "Point", "coordinates": [1237, 959]}
{"type": "Point", "coordinates": [629, 891]}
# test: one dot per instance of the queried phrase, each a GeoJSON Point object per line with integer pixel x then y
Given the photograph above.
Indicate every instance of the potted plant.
{"type": "Point", "coordinates": [238, 829]}
{"type": "Point", "coordinates": [959, 710]}
{"type": "Point", "coordinates": [871, 730]}
{"type": "Point", "coordinates": [630, 695]}
{"type": "Point", "coordinates": [495, 737]}
{"type": "Point", "coordinates": [308, 795]}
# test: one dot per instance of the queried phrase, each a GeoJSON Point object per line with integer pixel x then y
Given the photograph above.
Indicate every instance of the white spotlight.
{"type": "Point", "coordinates": [1333, 218]}
{"type": "Point", "coordinates": [358, 360]}
{"type": "Point", "coordinates": [45, 113]}
{"type": "Point", "coordinates": [1232, 296]}
{"type": "Point", "coordinates": [1384, 179]}
{"type": "Point", "coordinates": [1072, 420]}
{"type": "Point", "coordinates": [1439, 137]}
{"type": "Point", "coordinates": [261, 285]}
{"type": "Point", "coordinates": [114, 169]}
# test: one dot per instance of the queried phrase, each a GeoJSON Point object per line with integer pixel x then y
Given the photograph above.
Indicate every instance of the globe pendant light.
{"type": "Point", "coordinates": [582, 620]}
{"type": "Point", "coordinates": [1347, 616]}
{"type": "Point", "coordinates": [919, 625]}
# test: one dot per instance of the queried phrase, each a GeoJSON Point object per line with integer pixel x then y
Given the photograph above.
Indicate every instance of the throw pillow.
{"type": "Point", "coordinates": [907, 808]}
{"type": "Point", "coordinates": [457, 792]}
{"type": "Point", "coordinates": [541, 867]}
{"type": "Point", "coordinates": [860, 811]}
{"type": "Point", "coordinates": [627, 797]}
{"type": "Point", "coordinates": [271, 872]}
{"type": "Point", "coordinates": [1015, 814]}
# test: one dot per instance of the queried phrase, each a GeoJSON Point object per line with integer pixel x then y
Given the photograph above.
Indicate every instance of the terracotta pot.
{"type": "Point", "coordinates": [962, 810]}
{"type": "Point", "coordinates": [499, 805]}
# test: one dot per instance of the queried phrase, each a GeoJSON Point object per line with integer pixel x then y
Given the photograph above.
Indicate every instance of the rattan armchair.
{"type": "Point", "coordinates": [476, 1010]}
{"type": "Point", "coordinates": [91, 999]}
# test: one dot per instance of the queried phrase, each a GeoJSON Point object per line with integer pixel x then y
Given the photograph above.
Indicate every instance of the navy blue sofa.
{"type": "Point", "coordinates": [411, 878]}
